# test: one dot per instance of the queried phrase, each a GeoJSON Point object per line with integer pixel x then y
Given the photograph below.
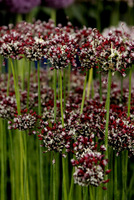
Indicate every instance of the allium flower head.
{"type": "Point", "coordinates": [21, 6]}
{"type": "Point", "coordinates": [57, 3]}
{"type": "Point", "coordinates": [89, 168]}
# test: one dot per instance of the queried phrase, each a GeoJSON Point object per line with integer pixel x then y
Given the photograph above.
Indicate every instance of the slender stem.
{"type": "Point", "coordinates": [64, 86]}
{"type": "Point", "coordinates": [91, 192]}
{"type": "Point", "coordinates": [84, 92]}
{"type": "Point", "coordinates": [2, 195]}
{"type": "Point", "coordinates": [53, 15]}
{"type": "Point", "coordinates": [110, 176]}
{"type": "Point", "coordinates": [107, 117]}
{"type": "Point", "coordinates": [72, 186]}
{"type": "Point", "coordinates": [28, 84]}
{"type": "Point", "coordinates": [124, 176]}
{"type": "Point", "coordinates": [107, 108]}
{"type": "Point", "coordinates": [129, 98]}
{"type": "Point", "coordinates": [85, 193]}
{"type": "Point", "coordinates": [121, 88]}
{"type": "Point", "coordinates": [100, 83]}
{"type": "Point", "coordinates": [61, 106]}
{"type": "Point", "coordinates": [39, 89]}
{"type": "Point", "coordinates": [26, 168]}
{"type": "Point", "coordinates": [40, 151]}
{"type": "Point", "coordinates": [89, 81]}
{"type": "Point", "coordinates": [11, 158]}
{"type": "Point", "coordinates": [16, 88]}
{"type": "Point", "coordinates": [23, 74]}
{"type": "Point", "coordinates": [64, 179]}
{"type": "Point", "coordinates": [54, 180]}
{"type": "Point", "coordinates": [55, 77]}
{"type": "Point", "coordinates": [115, 178]}
{"type": "Point", "coordinates": [8, 82]}
{"type": "Point", "coordinates": [69, 73]}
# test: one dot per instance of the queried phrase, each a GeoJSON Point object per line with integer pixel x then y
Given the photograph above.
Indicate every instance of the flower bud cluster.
{"type": "Point", "coordinates": [89, 168]}
{"type": "Point", "coordinates": [25, 121]}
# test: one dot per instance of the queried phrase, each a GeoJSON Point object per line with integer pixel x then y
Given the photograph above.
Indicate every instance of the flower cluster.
{"type": "Point", "coordinates": [89, 168]}
{"type": "Point", "coordinates": [25, 121]}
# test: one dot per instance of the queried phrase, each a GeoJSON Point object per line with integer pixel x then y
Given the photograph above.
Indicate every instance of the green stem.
{"type": "Point", "coordinates": [16, 88]}
{"type": "Point", "coordinates": [85, 193]}
{"type": "Point", "coordinates": [121, 88]}
{"type": "Point", "coordinates": [107, 108]}
{"type": "Point", "coordinates": [84, 92]}
{"type": "Point", "coordinates": [55, 77]}
{"type": "Point", "coordinates": [53, 15]}
{"type": "Point", "coordinates": [129, 98]}
{"type": "Point", "coordinates": [54, 180]}
{"type": "Point", "coordinates": [72, 186]}
{"type": "Point", "coordinates": [64, 179]}
{"type": "Point", "coordinates": [28, 84]}
{"type": "Point", "coordinates": [69, 74]}
{"type": "Point", "coordinates": [91, 192]}
{"type": "Point", "coordinates": [8, 82]}
{"type": "Point", "coordinates": [39, 90]}
{"type": "Point", "coordinates": [23, 74]}
{"type": "Point", "coordinates": [100, 83]}
{"type": "Point", "coordinates": [40, 151]}
{"type": "Point", "coordinates": [110, 176]}
{"type": "Point", "coordinates": [11, 158]}
{"type": "Point", "coordinates": [2, 195]}
{"type": "Point", "coordinates": [89, 81]}
{"type": "Point", "coordinates": [107, 117]}
{"type": "Point", "coordinates": [115, 177]}
{"type": "Point", "coordinates": [26, 168]}
{"type": "Point", "coordinates": [61, 106]}
{"type": "Point", "coordinates": [124, 174]}
{"type": "Point", "coordinates": [64, 86]}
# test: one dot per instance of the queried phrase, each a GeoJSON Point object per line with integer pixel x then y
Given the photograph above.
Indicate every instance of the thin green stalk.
{"type": "Point", "coordinates": [2, 195]}
{"type": "Point", "coordinates": [71, 186]}
{"type": "Point", "coordinates": [53, 15]}
{"type": "Point", "coordinates": [38, 170]}
{"type": "Point", "coordinates": [39, 89]}
{"type": "Point", "coordinates": [11, 159]}
{"type": "Point", "coordinates": [16, 88]}
{"type": "Point", "coordinates": [55, 78]}
{"type": "Point", "coordinates": [92, 89]}
{"type": "Point", "coordinates": [100, 84]}
{"type": "Point", "coordinates": [61, 106]}
{"type": "Point", "coordinates": [124, 175]}
{"type": "Point", "coordinates": [64, 87]}
{"type": "Point", "coordinates": [85, 193]}
{"type": "Point", "coordinates": [54, 179]}
{"type": "Point", "coordinates": [91, 192]}
{"type": "Point", "coordinates": [89, 81]}
{"type": "Point", "coordinates": [115, 178]}
{"type": "Point", "coordinates": [23, 74]}
{"type": "Point", "coordinates": [107, 117]}
{"type": "Point", "coordinates": [121, 88]}
{"type": "Point", "coordinates": [21, 165]}
{"type": "Point", "coordinates": [69, 74]}
{"type": "Point", "coordinates": [107, 108]}
{"type": "Point", "coordinates": [8, 82]}
{"type": "Point", "coordinates": [129, 97]}
{"type": "Point", "coordinates": [28, 84]}
{"type": "Point", "coordinates": [84, 92]}
{"type": "Point", "coordinates": [26, 169]}
{"type": "Point", "coordinates": [110, 176]}
{"type": "Point", "coordinates": [63, 159]}
{"type": "Point", "coordinates": [41, 185]}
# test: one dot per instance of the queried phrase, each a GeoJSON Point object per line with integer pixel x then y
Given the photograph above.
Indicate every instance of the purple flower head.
{"type": "Point", "coordinates": [58, 3]}
{"type": "Point", "coordinates": [21, 6]}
